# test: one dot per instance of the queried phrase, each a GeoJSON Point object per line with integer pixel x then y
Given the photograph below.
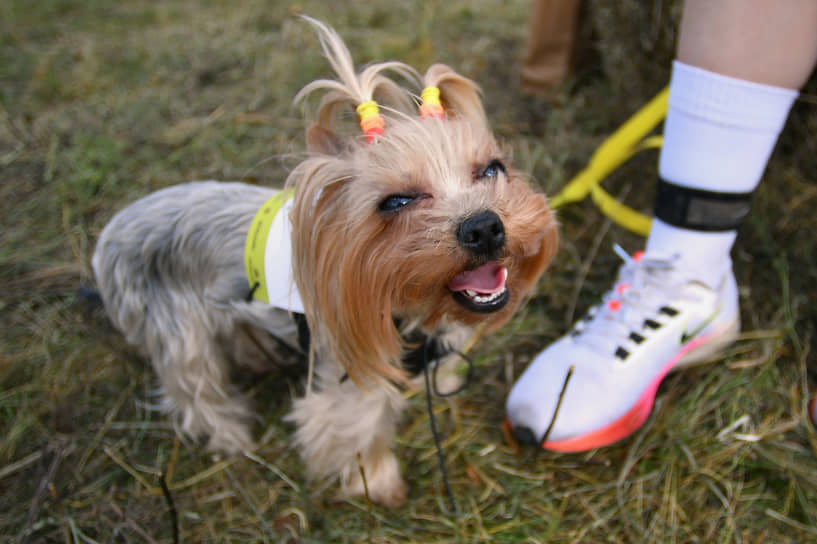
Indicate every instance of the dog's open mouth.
{"type": "Point", "coordinates": [482, 289]}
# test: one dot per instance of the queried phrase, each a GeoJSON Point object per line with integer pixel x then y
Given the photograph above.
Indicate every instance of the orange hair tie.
{"type": "Point", "coordinates": [431, 106]}
{"type": "Point", "coordinates": [370, 120]}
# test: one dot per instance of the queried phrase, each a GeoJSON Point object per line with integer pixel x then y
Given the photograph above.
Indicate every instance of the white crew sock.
{"type": "Point", "coordinates": [718, 135]}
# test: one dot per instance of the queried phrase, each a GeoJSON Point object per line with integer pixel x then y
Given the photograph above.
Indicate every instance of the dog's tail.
{"type": "Point", "coordinates": [90, 299]}
{"type": "Point", "coordinates": [96, 323]}
{"type": "Point", "coordinates": [351, 86]}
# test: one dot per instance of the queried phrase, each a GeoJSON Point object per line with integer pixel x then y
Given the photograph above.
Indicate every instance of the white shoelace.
{"type": "Point", "coordinates": [644, 285]}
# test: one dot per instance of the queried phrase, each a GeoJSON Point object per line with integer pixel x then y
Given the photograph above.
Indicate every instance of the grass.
{"type": "Point", "coordinates": [102, 102]}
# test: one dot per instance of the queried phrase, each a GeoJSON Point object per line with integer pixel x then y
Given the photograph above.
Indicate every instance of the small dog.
{"type": "Point", "coordinates": [396, 245]}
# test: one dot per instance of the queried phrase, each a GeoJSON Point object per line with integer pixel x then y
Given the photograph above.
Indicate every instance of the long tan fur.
{"type": "Point", "coordinates": [346, 290]}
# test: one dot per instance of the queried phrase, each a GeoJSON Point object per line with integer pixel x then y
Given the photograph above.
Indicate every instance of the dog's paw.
{"type": "Point", "coordinates": [391, 497]}
{"type": "Point", "coordinates": [231, 439]}
{"type": "Point", "coordinates": [223, 427]}
{"type": "Point", "coordinates": [383, 484]}
{"type": "Point", "coordinates": [447, 378]}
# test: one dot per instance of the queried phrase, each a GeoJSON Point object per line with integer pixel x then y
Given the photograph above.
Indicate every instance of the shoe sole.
{"type": "Point", "coordinates": [696, 351]}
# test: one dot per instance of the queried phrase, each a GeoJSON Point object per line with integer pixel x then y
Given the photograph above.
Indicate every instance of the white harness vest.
{"type": "Point", "coordinates": [268, 255]}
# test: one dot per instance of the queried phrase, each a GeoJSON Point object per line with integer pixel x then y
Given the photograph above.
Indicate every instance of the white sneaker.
{"type": "Point", "coordinates": [655, 319]}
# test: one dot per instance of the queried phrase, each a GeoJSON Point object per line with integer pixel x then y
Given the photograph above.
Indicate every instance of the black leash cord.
{"type": "Point", "coordinates": [558, 405]}
{"type": "Point", "coordinates": [436, 435]}
{"type": "Point", "coordinates": [432, 389]}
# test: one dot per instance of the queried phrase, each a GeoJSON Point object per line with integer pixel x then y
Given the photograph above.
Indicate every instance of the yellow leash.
{"type": "Point", "coordinates": [625, 142]}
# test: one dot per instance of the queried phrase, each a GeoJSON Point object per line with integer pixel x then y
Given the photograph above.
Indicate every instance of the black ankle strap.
{"type": "Point", "coordinates": [696, 209]}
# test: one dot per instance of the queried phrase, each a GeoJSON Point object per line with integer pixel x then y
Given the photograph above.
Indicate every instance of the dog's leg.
{"type": "Point", "coordinates": [347, 432]}
{"type": "Point", "coordinates": [194, 376]}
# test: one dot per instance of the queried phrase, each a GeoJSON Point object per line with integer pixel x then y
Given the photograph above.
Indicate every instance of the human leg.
{"type": "Point", "coordinates": [550, 45]}
{"type": "Point", "coordinates": [764, 41]}
{"type": "Point", "coordinates": [738, 67]}
{"type": "Point", "coordinates": [677, 303]}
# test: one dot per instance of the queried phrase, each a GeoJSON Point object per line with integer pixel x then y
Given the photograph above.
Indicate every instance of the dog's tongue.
{"type": "Point", "coordinates": [487, 279]}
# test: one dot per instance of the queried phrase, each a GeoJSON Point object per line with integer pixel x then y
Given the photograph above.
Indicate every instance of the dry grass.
{"type": "Point", "coordinates": [103, 102]}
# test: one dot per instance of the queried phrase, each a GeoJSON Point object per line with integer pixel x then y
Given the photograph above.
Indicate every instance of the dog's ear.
{"type": "Point", "coordinates": [322, 140]}
{"type": "Point", "coordinates": [351, 88]}
{"type": "Point", "coordinates": [459, 95]}
{"type": "Point", "coordinates": [345, 292]}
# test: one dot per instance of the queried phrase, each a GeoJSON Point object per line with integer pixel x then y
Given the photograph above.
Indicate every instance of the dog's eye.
{"type": "Point", "coordinates": [492, 170]}
{"type": "Point", "coordinates": [392, 203]}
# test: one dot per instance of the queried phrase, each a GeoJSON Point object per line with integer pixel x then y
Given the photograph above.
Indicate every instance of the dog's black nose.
{"type": "Point", "coordinates": [482, 234]}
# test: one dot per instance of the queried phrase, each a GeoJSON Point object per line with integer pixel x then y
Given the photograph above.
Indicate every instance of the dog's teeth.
{"type": "Point", "coordinates": [482, 299]}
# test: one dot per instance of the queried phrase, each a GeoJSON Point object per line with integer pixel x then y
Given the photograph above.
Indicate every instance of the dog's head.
{"type": "Point", "coordinates": [426, 222]}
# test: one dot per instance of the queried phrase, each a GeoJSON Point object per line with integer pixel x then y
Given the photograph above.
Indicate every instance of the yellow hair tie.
{"type": "Point", "coordinates": [368, 109]}
{"type": "Point", "coordinates": [430, 95]}
{"type": "Point", "coordinates": [431, 106]}
{"type": "Point", "coordinates": [370, 120]}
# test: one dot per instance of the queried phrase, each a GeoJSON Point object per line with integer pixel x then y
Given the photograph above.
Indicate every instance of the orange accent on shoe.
{"type": "Point", "coordinates": [614, 305]}
{"type": "Point", "coordinates": [632, 420]}
{"type": "Point", "coordinates": [507, 433]}
{"type": "Point", "coordinates": [637, 256]}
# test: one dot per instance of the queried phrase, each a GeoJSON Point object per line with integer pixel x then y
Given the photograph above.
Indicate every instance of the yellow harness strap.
{"type": "Point", "coordinates": [625, 142]}
{"type": "Point", "coordinates": [256, 243]}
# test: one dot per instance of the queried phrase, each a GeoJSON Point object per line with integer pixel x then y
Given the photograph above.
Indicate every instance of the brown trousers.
{"type": "Point", "coordinates": [551, 44]}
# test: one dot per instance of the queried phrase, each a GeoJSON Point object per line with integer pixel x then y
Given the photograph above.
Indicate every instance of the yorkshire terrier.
{"type": "Point", "coordinates": [386, 248]}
